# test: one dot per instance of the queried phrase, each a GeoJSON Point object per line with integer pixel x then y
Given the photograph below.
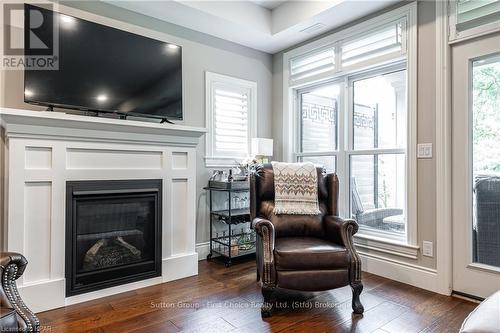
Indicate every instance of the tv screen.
{"type": "Point", "coordinates": [106, 69]}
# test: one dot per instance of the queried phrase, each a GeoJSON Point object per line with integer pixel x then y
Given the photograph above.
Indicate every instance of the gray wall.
{"type": "Point", "coordinates": [201, 53]}
{"type": "Point", "coordinates": [426, 131]}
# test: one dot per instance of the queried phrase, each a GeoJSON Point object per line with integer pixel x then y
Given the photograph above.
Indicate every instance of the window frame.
{"type": "Point", "coordinates": [350, 151]}
{"type": "Point", "coordinates": [213, 158]}
{"type": "Point", "coordinates": [407, 247]}
{"type": "Point", "coordinates": [299, 92]}
{"type": "Point", "coordinates": [455, 36]}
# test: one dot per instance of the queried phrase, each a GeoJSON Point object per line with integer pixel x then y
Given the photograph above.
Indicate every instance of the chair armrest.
{"type": "Point", "coordinates": [259, 225]}
{"type": "Point", "coordinates": [12, 266]}
{"type": "Point", "coordinates": [340, 231]}
{"type": "Point", "coordinates": [265, 234]}
{"type": "Point", "coordinates": [16, 259]}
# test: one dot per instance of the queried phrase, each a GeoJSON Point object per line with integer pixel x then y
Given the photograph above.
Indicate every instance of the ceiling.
{"type": "Point", "coordinates": [265, 25]}
{"type": "Point", "coordinates": [269, 4]}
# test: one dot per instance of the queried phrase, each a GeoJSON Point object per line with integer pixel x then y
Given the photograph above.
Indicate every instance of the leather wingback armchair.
{"type": "Point", "coordinates": [14, 314]}
{"type": "Point", "coordinates": [303, 252]}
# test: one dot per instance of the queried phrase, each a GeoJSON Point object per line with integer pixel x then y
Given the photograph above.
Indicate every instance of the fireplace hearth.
{"type": "Point", "coordinates": [113, 233]}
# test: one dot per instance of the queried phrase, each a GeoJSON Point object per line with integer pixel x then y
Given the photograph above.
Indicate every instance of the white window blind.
{"type": "Point", "coordinates": [475, 13]}
{"type": "Point", "coordinates": [373, 45]}
{"type": "Point", "coordinates": [231, 121]}
{"type": "Point", "coordinates": [314, 63]}
{"type": "Point", "coordinates": [231, 108]}
{"type": "Point", "coordinates": [384, 42]}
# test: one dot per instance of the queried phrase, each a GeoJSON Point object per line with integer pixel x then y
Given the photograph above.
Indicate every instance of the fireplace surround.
{"type": "Point", "coordinates": [113, 233]}
{"type": "Point", "coordinates": [46, 150]}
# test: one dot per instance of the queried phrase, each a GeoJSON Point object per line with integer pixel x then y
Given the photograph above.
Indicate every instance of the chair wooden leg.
{"type": "Point", "coordinates": [357, 307]}
{"type": "Point", "coordinates": [267, 307]}
{"type": "Point", "coordinates": [258, 276]}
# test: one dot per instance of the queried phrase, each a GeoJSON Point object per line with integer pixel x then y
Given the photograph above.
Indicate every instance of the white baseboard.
{"type": "Point", "coordinates": [418, 276]}
{"type": "Point", "coordinates": [44, 295]}
{"type": "Point", "coordinates": [179, 266]}
{"type": "Point", "coordinates": [112, 291]}
{"type": "Point", "coordinates": [203, 249]}
{"type": "Point", "coordinates": [50, 294]}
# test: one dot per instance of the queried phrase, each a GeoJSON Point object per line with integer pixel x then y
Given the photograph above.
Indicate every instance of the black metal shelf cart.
{"type": "Point", "coordinates": [232, 243]}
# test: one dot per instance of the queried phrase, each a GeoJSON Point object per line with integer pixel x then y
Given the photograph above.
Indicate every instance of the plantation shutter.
{"type": "Point", "coordinates": [373, 45]}
{"type": "Point", "coordinates": [475, 13]}
{"type": "Point", "coordinates": [231, 121]}
{"type": "Point", "coordinates": [314, 63]}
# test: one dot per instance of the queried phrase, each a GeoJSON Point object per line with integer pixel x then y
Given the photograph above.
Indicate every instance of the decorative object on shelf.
{"type": "Point", "coordinates": [234, 178]}
{"type": "Point", "coordinates": [234, 247]}
{"type": "Point", "coordinates": [239, 173]}
{"type": "Point", "coordinates": [262, 149]}
{"type": "Point", "coordinates": [232, 242]}
{"type": "Point", "coordinates": [219, 176]}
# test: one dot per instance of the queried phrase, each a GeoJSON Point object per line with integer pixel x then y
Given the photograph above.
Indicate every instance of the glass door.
{"type": "Point", "coordinates": [476, 166]}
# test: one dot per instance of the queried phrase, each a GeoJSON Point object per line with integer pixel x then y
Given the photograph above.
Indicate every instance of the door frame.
{"type": "Point", "coordinates": [443, 153]}
{"type": "Point", "coordinates": [465, 271]}
{"type": "Point", "coordinates": [444, 268]}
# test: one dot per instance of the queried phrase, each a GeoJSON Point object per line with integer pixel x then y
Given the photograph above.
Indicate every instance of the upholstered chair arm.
{"type": "Point", "coordinates": [12, 266]}
{"type": "Point", "coordinates": [259, 223]}
{"type": "Point", "coordinates": [265, 252]}
{"type": "Point", "coordinates": [340, 231]}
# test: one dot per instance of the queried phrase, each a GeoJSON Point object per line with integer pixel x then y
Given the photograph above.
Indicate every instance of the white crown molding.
{"type": "Point", "coordinates": [58, 126]}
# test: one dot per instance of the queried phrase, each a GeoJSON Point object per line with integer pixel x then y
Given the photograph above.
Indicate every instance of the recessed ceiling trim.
{"type": "Point", "coordinates": [253, 23]}
{"type": "Point", "coordinates": [313, 28]}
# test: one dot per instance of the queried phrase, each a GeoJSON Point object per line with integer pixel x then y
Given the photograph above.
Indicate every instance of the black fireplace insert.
{"type": "Point", "coordinates": [113, 233]}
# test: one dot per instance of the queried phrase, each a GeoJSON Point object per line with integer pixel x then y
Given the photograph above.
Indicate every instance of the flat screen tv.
{"type": "Point", "coordinates": [105, 69]}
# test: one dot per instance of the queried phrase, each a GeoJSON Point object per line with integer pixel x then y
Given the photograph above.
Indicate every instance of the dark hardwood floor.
{"type": "Point", "coordinates": [223, 299]}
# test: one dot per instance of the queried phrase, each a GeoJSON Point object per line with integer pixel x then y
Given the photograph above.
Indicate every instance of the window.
{"type": "Point", "coordinates": [472, 18]}
{"type": "Point", "coordinates": [485, 93]}
{"type": "Point", "coordinates": [358, 118]}
{"type": "Point", "coordinates": [376, 45]}
{"type": "Point", "coordinates": [231, 117]}
{"type": "Point", "coordinates": [318, 124]}
{"type": "Point", "coordinates": [377, 153]}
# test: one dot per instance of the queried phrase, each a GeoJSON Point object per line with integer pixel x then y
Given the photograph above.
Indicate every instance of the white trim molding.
{"type": "Point", "coordinates": [443, 153]}
{"type": "Point", "coordinates": [203, 249]}
{"type": "Point", "coordinates": [28, 124]}
{"type": "Point", "coordinates": [406, 58]}
{"type": "Point", "coordinates": [366, 242]}
{"type": "Point", "coordinates": [411, 154]}
{"type": "Point", "coordinates": [408, 11]}
{"type": "Point", "coordinates": [44, 150]}
{"type": "Point", "coordinates": [215, 158]}
{"type": "Point", "coordinates": [418, 276]}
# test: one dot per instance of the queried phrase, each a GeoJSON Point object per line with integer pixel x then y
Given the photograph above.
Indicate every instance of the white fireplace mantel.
{"type": "Point", "coordinates": [47, 149]}
{"type": "Point", "coordinates": [56, 125]}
